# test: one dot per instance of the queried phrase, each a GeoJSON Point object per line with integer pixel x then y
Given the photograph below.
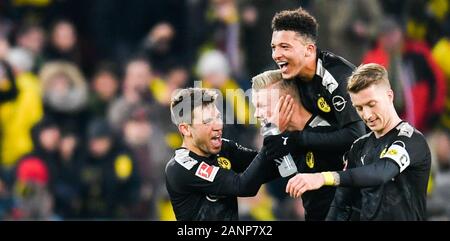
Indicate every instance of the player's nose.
{"type": "Point", "coordinates": [218, 124]}
{"type": "Point", "coordinates": [366, 114]}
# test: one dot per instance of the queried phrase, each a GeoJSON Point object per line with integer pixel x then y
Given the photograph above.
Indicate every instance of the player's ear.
{"type": "Point", "coordinates": [310, 50]}
{"type": "Point", "coordinates": [184, 129]}
{"type": "Point", "coordinates": [390, 94]}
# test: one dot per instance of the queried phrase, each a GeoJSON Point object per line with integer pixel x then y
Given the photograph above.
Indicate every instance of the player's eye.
{"type": "Point", "coordinates": [210, 120]}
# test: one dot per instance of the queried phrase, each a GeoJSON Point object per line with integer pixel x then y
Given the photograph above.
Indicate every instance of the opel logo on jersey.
{"type": "Point", "coordinates": [339, 103]}
{"type": "Point", "coordinates": [310, 159]}
{"type": "Point", "coordinates": [224, 163]}
{"type": "Point", "coordinates": [323, 105]}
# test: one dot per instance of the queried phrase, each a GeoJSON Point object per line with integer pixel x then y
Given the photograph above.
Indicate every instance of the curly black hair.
{"type": "Point", "coordinates": [298, 20]}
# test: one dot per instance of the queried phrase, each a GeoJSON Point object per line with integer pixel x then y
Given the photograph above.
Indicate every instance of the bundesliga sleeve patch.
{"type": "Point", "coordinates": [399, 155]}
{"type": "Point", "coordinates": [207, 172]}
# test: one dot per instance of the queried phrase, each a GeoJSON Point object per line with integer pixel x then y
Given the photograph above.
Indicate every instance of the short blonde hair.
{"type": "Point", "coordinates": [366, 75]}
{"type": "Point", "coordinates": [270, 77]}
{"type": "Point", "coordinates": [263, 80]}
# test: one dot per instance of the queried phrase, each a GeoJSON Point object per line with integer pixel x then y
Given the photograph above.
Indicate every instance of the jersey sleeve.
{"type": "Point", "coordinates": [338, 96]}
{"type": "Point", "coordinates": [409, 148]}
{"type": "Point", "coordinates": [337, 140]}
{"type": "Point", "coordinates": [201, 177]}
{"type": "Point", "coordinates": [239, 156]}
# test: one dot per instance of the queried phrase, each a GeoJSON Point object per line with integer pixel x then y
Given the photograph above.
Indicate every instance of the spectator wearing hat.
{"type": "Point", "coordinates": [35, 172]}
{"type": "Point", "coordinates": [46, 137]}
{"type": "Point", "coordinates": [65, 93]}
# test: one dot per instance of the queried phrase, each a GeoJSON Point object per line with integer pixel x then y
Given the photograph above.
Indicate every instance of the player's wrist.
{"type": "Point", "coordinates": [331, 178]}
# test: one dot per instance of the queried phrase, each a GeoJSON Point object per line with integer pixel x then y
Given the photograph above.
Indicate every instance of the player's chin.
{"type": "Point", "coordinates": [214, 149]}
{"type": "Point", "coordinates": [290, 73]}
{"type": "Point", "coordinates": [287, 75]}
{"type": "Point", "coordinates": [375, 127]}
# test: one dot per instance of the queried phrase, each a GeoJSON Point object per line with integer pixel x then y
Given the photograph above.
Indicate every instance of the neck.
{"type": "Point", "coordinates": [189, 144]}
{"type": "Point", "coordinates": [390, 124]}
{"type": "Point", "coordinates": [310, 69]}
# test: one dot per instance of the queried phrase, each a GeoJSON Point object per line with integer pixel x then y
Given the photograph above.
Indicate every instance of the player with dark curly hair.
{"type": "Point", "coordinates": [321, 78]}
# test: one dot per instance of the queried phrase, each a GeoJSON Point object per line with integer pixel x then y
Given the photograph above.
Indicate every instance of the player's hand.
{"type": "Point", "coordinates": [280, 145]}
{"type": "Point", "coordinates": [301, 183]}
{"type": "Point", "coordinates": [283, 112]}
{"type": "Point", "coordinates": [276, 146]}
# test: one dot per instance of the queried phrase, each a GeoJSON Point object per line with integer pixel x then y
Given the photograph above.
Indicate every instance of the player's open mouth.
{"type": "Point", "coordinates": [283, 66]}
{"type": "Point", "coordinates": [216, 141]}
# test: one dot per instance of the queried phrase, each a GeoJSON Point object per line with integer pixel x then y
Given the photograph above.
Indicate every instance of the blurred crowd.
{"type": "Point", "coordinates": [85, 128]}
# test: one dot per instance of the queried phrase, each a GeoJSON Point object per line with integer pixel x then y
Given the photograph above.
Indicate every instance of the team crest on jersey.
{"type": "Point", "coordinates": [323, 105]}
{"type": "Point", "coordinates": [206, 171]}
{"type": "Point", "coordinates": [224, 163]}
{"type": "Point", "coordinates": [392, 152]}
{"type": "Point", "coordinates": [310, 159]}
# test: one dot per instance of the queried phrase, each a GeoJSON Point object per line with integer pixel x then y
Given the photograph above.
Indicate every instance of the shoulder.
{"type": "Point", "coordinates": [333, 70]}
{"type": "Point", "coordinates": [331, 60]}
{"type": "Point", "coordinates": [181, 159]}
{"type": "Point", "coordinates": [407, 133]}
{"type": "Point", "coordinates": [181, 168]}
{"type": "Point", "coordinates": [334, 64]}
{"type": "Point", "coordinates": [405, 129]}
{"type": "Point", "coordinates": [408, 148]}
